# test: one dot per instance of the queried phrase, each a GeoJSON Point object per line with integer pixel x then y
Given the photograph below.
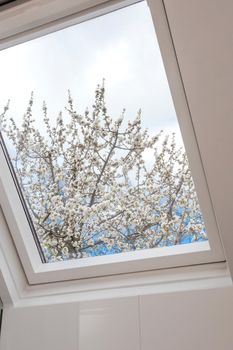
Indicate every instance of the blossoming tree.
{"type": "Point", "coordinates": [89, 189]}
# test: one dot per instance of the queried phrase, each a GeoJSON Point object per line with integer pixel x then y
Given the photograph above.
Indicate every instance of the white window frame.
{"type": "Point", "coordinates": [63, 15]}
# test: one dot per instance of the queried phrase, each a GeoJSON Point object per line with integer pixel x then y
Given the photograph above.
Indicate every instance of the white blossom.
{"type": "Point", "coordinates": [88, 188]}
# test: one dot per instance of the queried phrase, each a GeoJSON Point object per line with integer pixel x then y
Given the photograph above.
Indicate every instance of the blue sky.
{"type": "Point", "coordinates": [120, 47]}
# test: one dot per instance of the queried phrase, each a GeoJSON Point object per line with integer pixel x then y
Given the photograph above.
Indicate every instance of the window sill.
{"type": "Point", "coordinates": [15, 289]}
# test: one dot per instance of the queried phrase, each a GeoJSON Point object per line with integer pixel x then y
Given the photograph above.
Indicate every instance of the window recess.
{"type": "Point", "coordinates": [95, 178]}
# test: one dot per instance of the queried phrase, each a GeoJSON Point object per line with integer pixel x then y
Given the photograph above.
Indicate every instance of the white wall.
{"type": "Point", "coordinates": [45, 327]}
{"type": "Point", "coordinates": [174, 321]}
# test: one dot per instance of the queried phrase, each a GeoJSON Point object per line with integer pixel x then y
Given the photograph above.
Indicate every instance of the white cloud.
{"type": "Point", "coordinates": [120, 47]}
{"type": "Point", "coordinates": [111, 64]}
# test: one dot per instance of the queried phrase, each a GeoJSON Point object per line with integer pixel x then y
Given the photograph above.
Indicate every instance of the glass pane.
{"type": "Point", "coordinates": [97, 150]}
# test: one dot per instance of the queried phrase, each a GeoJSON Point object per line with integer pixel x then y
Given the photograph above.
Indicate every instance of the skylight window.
{"type": "Point", "coordinates": [97, 151]}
